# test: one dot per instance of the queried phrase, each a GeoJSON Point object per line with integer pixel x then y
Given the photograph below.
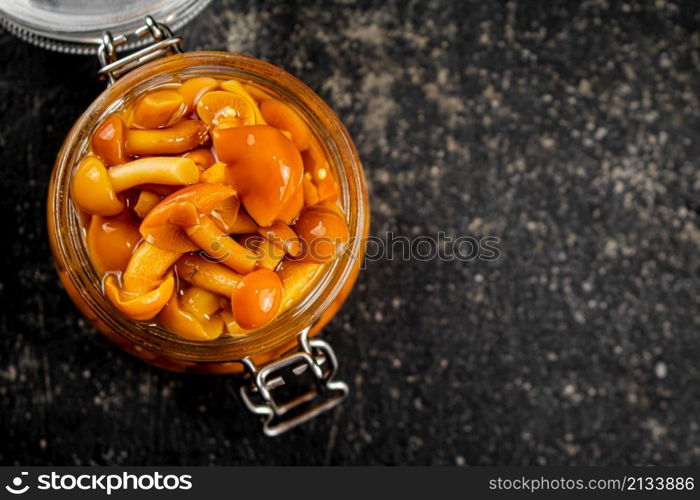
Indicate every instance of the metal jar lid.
{"type": "Point", "coordinates": [77, 26]}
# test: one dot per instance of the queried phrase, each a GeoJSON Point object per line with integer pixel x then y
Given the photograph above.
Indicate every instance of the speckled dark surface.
{"type": "Point", "coordinates": [569, 130]}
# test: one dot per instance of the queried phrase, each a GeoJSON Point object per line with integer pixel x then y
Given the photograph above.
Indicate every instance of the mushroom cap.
{"type": "Point", "coordinates": [162, 227]}
{"type": "Point", "coordinates": [256, 299]}
{"type": "Point", "coordinates": [323, 233]}
{"type": "Point", "coordinates": [139, 307]}
{"type": "Point", "coordinates": [283, 117]}
{"type": "Point", "coordinates": [158, 108]}
{"type": "Point", "coordinates": [108, 140]}
{"type": "Point", "coordinates": [92, 188]}
{"type": "Point", "coordinates": [111, 241]}
{"type": "Point", "coordinates": [225, 109]}
{"type": "Point", "coordinates": [264, 167]}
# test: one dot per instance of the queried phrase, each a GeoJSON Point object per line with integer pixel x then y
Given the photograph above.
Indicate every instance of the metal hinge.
{"type": "Point", "coordinates": [314, 358]}
{"type": "Point", "coordinates": [164, 43]}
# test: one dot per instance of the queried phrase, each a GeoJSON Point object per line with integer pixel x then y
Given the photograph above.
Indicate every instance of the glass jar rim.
{"type": "Point", "coordinates": [352, 195]}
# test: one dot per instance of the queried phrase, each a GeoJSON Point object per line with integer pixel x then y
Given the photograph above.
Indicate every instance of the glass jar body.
{"type": "Point", "coordinates": [147, 341]}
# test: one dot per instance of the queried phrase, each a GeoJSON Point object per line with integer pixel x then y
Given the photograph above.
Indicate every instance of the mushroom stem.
{"type": "Point", "coordinates": [208, 275]}
{"type": "Point", "coordinates": [283, 236]}
{"type": "Point", "coordinates": [146, 268]}
{"type": "Point", "coordinates": [139, 306]}
{"type": "Point", "coordinates": [269, 254]}
{"type": "Point", "coordinates": [200, 302]}
{"type": "Point", "coordinates": [243, 224]}
{"type": "Point", "coordinates": [147, 200]}
{"type": "Point", "coordinates": [297, 278]}
{"type": "Point", "coordinates": [177, 139]}
{"type": "Point", "coordinates": [207, 236]}
{"type": "Point", "coordinates": [157, 170]}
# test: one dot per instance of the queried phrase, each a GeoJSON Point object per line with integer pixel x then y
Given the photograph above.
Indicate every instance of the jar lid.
{"type": "Point", "coordinates": [77, 26]}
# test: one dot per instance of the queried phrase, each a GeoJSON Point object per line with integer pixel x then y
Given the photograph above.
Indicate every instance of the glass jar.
{"type": "Point", "coordinates": [284, 344]}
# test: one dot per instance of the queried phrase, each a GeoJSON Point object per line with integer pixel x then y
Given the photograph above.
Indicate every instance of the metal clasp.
{"type": "Point", "coordinates": [315, 358]}
{"type": "Point", "coordinates": [165, 43]}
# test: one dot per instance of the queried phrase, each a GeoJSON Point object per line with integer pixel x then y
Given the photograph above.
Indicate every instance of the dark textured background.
{"type": "Point", "coordinates": [567, 129]}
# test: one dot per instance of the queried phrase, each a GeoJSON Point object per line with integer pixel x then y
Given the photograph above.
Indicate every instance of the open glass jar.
{"type": "Point", "coordinates": [276, 353]}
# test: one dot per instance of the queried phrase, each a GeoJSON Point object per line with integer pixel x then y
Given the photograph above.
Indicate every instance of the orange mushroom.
{"type": "Point", "coordinates": [111, 241]}
{"type": "Point", "coordinates": [186, 324]}
{"type": "Point", "coordinates": [282, 236]}
{"type": "Point", "coordinates": [323, 233]}
{"type": "Point", "coordinates": [310, 192]}
{"type": "Point", "coordinates": [139, 306]}
{"type": "Point", "coordinates": [183, 136]}
{"type": "Point", "coordinates": [297, 278]}
{"type": "Point", "coordinates": [146, 268]}
{"type": "Point", "coordinates": [92, 188]}
{"type": "Point", "coordinates": [202, 157]}
{"type": "Point", "coordinates": [225, 109]}
{"type": "Point", "coordinates": [220, 246]}
{"type": "Point", "coordinates": [163, 226]}
{"type": "Point", "coordinates": [264, 166]}
{"type": "Point", "coordinates": [192, 89]}
{"type": "Point", "coordinates": [236, 87]}
{"type": "Point", "coordinates": [211, 276]}
{"type": "Point", "coordinates": [229, 236]}
{"type": "Point", "coordinates": [316, 164]}
{"type": "Point", "coordinates": [280, 115]}
{"type": "Point", "coordinates": [166, 170]}
{"type": "Point", "coordinates": [145, 203]}
{"type": "Point", "coordinates": [256, 299]}
{"type": "Point", "coordinates": [108, 140]}
{"type": "Point", "coordinates": [158, 109]}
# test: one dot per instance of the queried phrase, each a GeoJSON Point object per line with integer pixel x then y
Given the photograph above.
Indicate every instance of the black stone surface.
{"type": "Point", "coordinates": [568, 129]}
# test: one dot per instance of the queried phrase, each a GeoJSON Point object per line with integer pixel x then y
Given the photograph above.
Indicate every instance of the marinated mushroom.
{"type": "Point", "coordinates": [179, 138]}
{"type": "Point", "coordinates": [264, 167]}
{"type": "Point", "coordinates": [256, 299]}
{"type": "Point", "coordinates": [108, 140]}
{"type": "Point", "coordinates": [164, 170]}
{"type": "Point", "coordinates": [142, 306]}
{"type": "Point", "coordinates": [208, 275]}
{"type": "Point", "coordinates": [158, 109]}
{"type": "Point", "coordinates": [92, 188]}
